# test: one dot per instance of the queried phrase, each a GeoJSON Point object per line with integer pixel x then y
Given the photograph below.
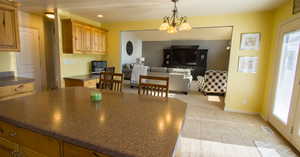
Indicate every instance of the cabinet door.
{"type": "Point", "coordinates": [103, 42]}
{"type": "Point", "coordinates": [26, 152]}
{"type": "Point", "coordinates": [96, 41]}
{"type": "Point", "coordinates": [70, 150]}
{"type": "Point", "coordinates": [87, 39]}
{"type": "Point", "coordinates": [78, 37]}
{"type": "Point", "coordinates": [7, 148]}
{"type": "Point", "coordinates": [8, 38]}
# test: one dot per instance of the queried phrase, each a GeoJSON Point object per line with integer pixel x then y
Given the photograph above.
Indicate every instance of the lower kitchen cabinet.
{"type": "Point", "coordinates": [26, 152]}
{"type": "Point", "coordinates": [7, 148]}
{"type": "Point", "coordinates": [19, 142]}
{"type": "Point", "coordinates": [75, 151]}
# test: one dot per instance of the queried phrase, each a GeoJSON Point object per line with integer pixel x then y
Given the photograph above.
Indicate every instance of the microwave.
{"type": "Point", "coordinates": [98, 66]}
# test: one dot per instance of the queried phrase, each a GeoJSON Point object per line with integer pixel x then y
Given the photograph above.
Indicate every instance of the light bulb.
{"type": "Point", "coordinates": [164, 26]}
{"type": "Point", "coordinates": [50, 15]}
{"type": "Point", "coordinates": [172, 30]}
{"type": "Point", "coordinates": [185, 27]}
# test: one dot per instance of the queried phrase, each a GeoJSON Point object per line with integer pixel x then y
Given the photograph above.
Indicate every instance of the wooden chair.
{"type": "Point", "coordinates": [109, 69]}
{"type": "Point", "coordinates": [105, 80]}
{"type": "Point", "coordinates": [154, 89]}
{"type": "Point", "coordinates": [111, 81]}
{"type": "Point", "coordinates": [117, 84]}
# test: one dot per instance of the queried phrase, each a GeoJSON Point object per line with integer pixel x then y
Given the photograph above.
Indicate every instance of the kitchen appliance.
{"type": "Point", "coordinates": [98, 66]}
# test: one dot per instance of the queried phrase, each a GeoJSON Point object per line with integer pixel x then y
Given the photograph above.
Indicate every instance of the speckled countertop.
{"type": "Point", "coordinates": [83, 77]}
{"type": "Point", "coordinates": [121, 125]}
{"type": "Point", "coordinates": [8, 78]}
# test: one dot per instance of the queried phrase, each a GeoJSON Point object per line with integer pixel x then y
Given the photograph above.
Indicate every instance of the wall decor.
{"type": "Point", "coordinates": [247, 64]}
{"type": "Point", "coordinates": [129, 48]}
{"type": "Point", "coordinates": [250, 41]}
{"type": "Point", "coordinates": [296, 6]}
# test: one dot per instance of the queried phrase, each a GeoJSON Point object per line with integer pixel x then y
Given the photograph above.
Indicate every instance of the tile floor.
{"type": "Point", "coordinates": [211, 132]}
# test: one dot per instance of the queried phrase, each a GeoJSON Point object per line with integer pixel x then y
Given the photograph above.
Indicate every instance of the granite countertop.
{"type": "Point", "coordinates": [121, 125]}
{"type": "Point", "coordinates": [8, 78]}
{"type": "Point", "coordinates": [83, 77]}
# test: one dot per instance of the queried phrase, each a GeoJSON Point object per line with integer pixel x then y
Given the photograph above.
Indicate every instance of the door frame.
{"type": "Point", "coordinates": [38, 58]}
{"type": "Point", "coordinates": [290, 25]}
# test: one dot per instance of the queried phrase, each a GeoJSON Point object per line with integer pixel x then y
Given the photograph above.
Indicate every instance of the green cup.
{"type": "Point", "coordinates": [96, 96]}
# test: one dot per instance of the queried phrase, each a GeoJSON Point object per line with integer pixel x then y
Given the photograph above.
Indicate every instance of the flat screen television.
{"type": "Point", "coordinates": [181, 57]}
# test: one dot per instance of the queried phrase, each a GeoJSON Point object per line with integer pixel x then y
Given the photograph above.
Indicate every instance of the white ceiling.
{"type": "Point", "coordinates": [217, 33]}
{"type": "Point", "coordinates": [129, 10]}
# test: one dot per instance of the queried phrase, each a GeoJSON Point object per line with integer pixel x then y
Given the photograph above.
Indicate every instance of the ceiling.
{"type": "Point", "coordinates": [131, 10]}
{"type": "Point", "coordinates": [216, 33]}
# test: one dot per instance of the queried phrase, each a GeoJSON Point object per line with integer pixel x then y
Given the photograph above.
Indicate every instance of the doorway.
{"type": "Point", "coordinates": [284, 114]}
{"type": "Point", "coordinates": [28, 60]}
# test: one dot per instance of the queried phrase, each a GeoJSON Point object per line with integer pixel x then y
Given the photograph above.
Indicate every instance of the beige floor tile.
{"type": "Point", "coordinates": [209, 131]}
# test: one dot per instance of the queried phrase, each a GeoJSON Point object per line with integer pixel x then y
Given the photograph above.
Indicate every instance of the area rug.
{"type": "Point", "coordinates": [274, 150]}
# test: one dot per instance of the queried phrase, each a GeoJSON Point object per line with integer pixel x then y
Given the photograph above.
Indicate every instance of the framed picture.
{"type": "Point", "coordinates": [250, 41]}
{"type": "Point", "coordinates": [296, 7]}
{"type": "Point", "coordinates": [247, 64]}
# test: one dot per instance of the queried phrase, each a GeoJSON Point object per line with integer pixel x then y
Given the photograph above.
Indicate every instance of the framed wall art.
{"type": "Point", "coordinates": [250, 41]}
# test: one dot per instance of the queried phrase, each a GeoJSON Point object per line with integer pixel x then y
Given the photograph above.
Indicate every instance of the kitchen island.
{"type": "Point", "coordinates": [67, 123]}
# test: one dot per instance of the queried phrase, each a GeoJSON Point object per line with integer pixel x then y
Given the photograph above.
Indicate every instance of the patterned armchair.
{"type": "Point", "coordinates": [214, 82]}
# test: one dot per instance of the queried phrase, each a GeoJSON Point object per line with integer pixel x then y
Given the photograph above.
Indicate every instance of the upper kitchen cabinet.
{"type": "Point", "coordinates": [80, 38]}
{"type": "Point", "coordinates": [9, 27]}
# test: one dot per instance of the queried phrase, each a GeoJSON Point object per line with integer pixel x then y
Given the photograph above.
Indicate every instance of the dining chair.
{"type": "Point", "coordinates": [117, 84]}
{"type": "Point", "coordinates": [105, 80]}
{"type": "Point", "coordinates": [154, 86]}
{"type": "Point", "coordinates": [109, 69]}
{"type": "Point", "coordinates": [111, 81]}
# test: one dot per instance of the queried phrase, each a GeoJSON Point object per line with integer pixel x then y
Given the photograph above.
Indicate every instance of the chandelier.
{"type": "Point", "coordinates": [174, 22]}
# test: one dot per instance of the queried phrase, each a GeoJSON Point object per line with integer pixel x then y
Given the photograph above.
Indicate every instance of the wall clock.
{"type": "Point", "coordinates": [129, 48]}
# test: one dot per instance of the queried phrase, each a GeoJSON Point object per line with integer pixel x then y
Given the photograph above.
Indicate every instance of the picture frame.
{"type": "Point", "coordinates": [250, 41]}
{"type": "Point", "coordinates": [296, 6]}
{"type": "Point", "coordinates": [247, 64]}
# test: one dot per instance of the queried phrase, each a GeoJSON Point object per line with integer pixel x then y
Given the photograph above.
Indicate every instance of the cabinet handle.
{"type": "Point", "coordinates": [1, 131]}
{"type": "Point", "coordinates": [3, 19]}
{"type": "Point", "coordinates": [19, 87]}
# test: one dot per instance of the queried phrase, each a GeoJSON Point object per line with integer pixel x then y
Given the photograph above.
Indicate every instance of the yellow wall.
{"type": "Point", "coordinates": [71, 64]}
{"type": "Point", "coordinates": [245, 91]}
{"type": "Point", "coordinates": [281, 14]}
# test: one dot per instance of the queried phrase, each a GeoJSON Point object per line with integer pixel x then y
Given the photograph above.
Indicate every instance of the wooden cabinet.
{"type": "Point", "coordinates": [75, 151]}
{"type": "Point", "coordinates": [19, 142]}
{"type": "Point", "coordinates": [26, 152]}
{"type": "Point", "coordinates": [13, 91]}
{"type": "Point", "coordinates": [80, 83]}
{"type": "Point", "coordinates": [7, 148]}
{"type": "Point", "coordinates": [9, 27]}
{"type": "Point", "coordinates": [80, 38]}
{"type": "Point", "coordinates": [25, 143]}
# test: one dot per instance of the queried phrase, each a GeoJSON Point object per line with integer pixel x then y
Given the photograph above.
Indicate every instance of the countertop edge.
{"type": "Point", "coordinates": [15, 82]}
{"type": "Point", "coordinates": [67, 139]}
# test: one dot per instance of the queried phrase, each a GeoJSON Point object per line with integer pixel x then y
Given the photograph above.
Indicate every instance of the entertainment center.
{"type": "Point", "coordinates": [188, 57]}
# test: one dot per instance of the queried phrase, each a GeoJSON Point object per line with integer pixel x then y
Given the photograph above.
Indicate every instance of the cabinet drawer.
{"type": "Point", "coordinates": [39, 143]}
{"type": "Point", "coordinates": [8, 132]}
{"type": "Point", "coordinates": [90, 83]}
{"type": "Point", "coordinates": [75, 151]}
{"type": "Point", "coordinates": [16, 89]}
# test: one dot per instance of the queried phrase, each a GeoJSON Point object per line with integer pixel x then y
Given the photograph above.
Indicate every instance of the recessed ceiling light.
{"type": "Point", "coordinates": [50, 15]}
{"type": "Point", "coordinates": [100, 16]}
